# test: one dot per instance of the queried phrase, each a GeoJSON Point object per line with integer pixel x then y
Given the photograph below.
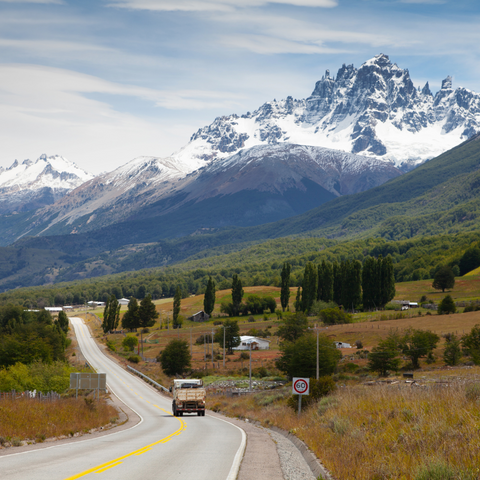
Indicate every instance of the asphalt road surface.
{"type": "Point", "coordinates": [159, 447]}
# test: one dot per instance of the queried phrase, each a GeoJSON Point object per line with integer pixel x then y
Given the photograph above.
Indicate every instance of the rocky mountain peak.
{"type": "Point", "coordinates": [373, 110]}
{"type": "Point", "coordinates": [447, 83]}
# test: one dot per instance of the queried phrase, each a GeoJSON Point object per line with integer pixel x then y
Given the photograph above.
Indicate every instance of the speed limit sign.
{"type": "Point", "coordinates": [300, 386]}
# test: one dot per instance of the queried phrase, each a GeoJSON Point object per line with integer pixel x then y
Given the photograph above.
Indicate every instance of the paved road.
{"type": "Point", "coordinates": [159, 447]}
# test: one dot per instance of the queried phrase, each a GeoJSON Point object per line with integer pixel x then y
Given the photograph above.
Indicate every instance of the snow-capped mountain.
{"type": "Point", "coordinates": [116, 195]}
{"type": "Point", "coordinates": [260, 184]}
{"type": "Point", "coordinates": [374, 110]}
{"type": "Point", "coordinates": [31, 185]}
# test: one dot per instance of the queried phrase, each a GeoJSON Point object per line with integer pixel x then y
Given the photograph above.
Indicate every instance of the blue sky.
{"type": "Point", "coordinates": [102, 82]}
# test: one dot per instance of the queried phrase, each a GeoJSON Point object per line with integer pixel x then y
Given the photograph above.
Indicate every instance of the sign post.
{"type": "Point", "coordinates": [300, 386]}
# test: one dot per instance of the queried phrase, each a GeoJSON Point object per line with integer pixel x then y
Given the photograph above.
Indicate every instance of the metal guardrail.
{"type": "Point", "coordinates": [148, 379]}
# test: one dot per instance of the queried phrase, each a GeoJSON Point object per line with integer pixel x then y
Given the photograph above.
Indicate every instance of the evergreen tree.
{"type": "Point", "coordinates": [177, 299]}
{"type": "Point", "coordinates": [337, 283]}
{"type": "Point", "coordinates": [325, 282]}
{"type": "Point", "coordinates": [237, 294]}
{"type": "Point", "coordinates": [444, 278]}
{"type": "Point", "coordinates": [232, 335]}
{"type": "Point", "coordinates": [285, 286]}
{"type": "Point", "coordinates": [351, 274]}
{"type": "Point", "coordinates": [131, 318]}
{"type": "Point", "coordinates": [176, 358]}
{"type": "Point", "coordinates": [387, 280]}
{"type": "Point", "coordinates": [298, 300]}
{"type": "Point", "coordinates": [470, 260]}
{"type": "Point", "coordinates": [111, 314]}
{"type": "Point", "coordinates": [446, 306]}
{"type": "Point", "coordinates": [209, 299]}
{"type": "Point", "coordinates": [369, 284]}
{"type": "Point", "coordinates": [309, 287]}
{"type": "Point", "coordinates": [62, 321]}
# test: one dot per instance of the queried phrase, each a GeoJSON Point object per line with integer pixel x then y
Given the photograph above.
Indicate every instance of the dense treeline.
{"type": "Point", "coordinates": [26, 337]}
{"type": "Point", "coordinates": [348, 284]}
{"type": "Point", "coordinates": [262, 264]}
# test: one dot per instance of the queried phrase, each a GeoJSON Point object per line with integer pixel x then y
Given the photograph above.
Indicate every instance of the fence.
{"type": "Point", "coordinates": [38, 396]}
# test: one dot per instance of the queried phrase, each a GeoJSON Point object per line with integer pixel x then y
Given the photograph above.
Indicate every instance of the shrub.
{"type": "Point", "coordinates": [359, 344]}
{"type": "Point", "coordinates": [472, 392]}
{"type": "Point", "coordinates": [111, 346]}
{"type": "Point", "coordinates": [447, 305]}
{"type": "Point", "coordinates": [251, 319]}
{"type": "Point", "coordinates": [129, 343]}
{"type": "Point", "coordinates": [318, 388]}
{"type": "Point", "coordinates": [244, 356]}
{"type": "Point", "coordinates": [134, 358]}
{"type": "Point", "coordinates": [335, 316]}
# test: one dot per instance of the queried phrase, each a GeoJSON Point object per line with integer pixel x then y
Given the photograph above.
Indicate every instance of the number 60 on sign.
{"type": "Point", "coordinates": [300, 386]}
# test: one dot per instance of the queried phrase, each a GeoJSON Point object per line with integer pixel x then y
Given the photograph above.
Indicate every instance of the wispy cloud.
{"type": "Point", "coordinates": [58, 2]}
{"type": "Point", "coordinates": [213, 5]}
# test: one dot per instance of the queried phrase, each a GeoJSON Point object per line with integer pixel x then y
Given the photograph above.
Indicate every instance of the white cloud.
{"type": "Point", "coordinates": [213, 5]}
{"type": "Point", "coordinates": [58, 2]}
{"type": "Point", "coordinates": [46, 110]}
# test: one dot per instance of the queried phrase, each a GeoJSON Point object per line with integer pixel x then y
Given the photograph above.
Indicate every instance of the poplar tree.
{"type": "Point", "coordinates": [309, 287]}
{"type": "Point", "coordinates": [368, 283]}
{"type": "Point", "coordinates": [237, 294]}
{"type": "Point", "coordinates": [337, 284]}
{"type": "Point", "coordinates": [111, 314]}
{"type": "Point", "coordinates": [177, 299]}
{"type": "Point", "coordinates": [325, 282]}
{"type": "Point", "coordinates": [387, 281]}
{"type": "Point", "coordinates": [209, 299]}
{"type": "Point", "coordinates": [285, 286]}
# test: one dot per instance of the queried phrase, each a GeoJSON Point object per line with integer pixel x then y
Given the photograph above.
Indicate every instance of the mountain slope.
{"type": "Point", "coordinates": [257, 185]}
{"type": "Point", "coordinates": [31, 185]}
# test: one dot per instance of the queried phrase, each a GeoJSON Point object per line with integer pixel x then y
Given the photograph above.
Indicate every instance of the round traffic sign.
{"type": "Point", "coordinates": [300, 386]}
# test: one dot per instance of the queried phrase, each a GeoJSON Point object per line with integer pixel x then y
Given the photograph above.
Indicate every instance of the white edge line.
{"type": "Point", "coordinates": [232, 475]}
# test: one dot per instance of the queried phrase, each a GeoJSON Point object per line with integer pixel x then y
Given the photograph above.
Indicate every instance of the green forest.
{"type": "Point", "coordinates": [413, 259]}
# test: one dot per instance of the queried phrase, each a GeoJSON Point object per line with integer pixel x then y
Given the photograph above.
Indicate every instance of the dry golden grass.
{"type": "Point", "coordinates": [35, 421]}
{"type": "Point", "coordinates": [381, 432]}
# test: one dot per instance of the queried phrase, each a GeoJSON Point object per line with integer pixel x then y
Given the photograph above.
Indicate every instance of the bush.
{"type": "Point", "coordinates": [446, 306]}
{"type": "Point", "coordinates": [129, 343]}
{"type": "Point", "coordinates": [134, 358]}
{"type": "Point", "coordinates": [111, 346]}
{"type": "Point", "coordinates": [335, 316]}
{"type": "Point", "coordinates": [251, 319]}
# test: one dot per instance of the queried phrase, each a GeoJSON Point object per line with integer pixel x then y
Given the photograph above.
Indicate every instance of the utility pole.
{"type": "Point", "coordinates": [223, 347]}
{"type": "Point", "coordinates": [316, 328]}
{"type": "Point", "coordinates": [191, 347]}
{"type": "Point", "coordinates": [213, 366]}
{"type": "Point", "coordinates": [250, 368]}
{"type": "Point", "coordinates": [205, 350]}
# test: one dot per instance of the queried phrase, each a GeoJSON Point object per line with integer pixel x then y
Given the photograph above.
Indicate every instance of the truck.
{"type": "Point", "coordinates": [188, 397]}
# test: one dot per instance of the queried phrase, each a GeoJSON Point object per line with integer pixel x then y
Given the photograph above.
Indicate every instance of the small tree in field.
{"type": "Point", "coordinates": [176, 358]}
{"type": "Point", "coordinates": [129, 343]}
{"type": "Point", "coordinates": [444, 278]}
{"type": "Point", "coordinates": [453, 351]}
{"type": "Point", "coordinates": [446, 306]}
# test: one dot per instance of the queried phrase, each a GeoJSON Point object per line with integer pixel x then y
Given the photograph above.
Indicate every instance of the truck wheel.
{"type": "Point", "coordinates": [203, 413]}
{"type": "Point", "coordinates": [199, 413]}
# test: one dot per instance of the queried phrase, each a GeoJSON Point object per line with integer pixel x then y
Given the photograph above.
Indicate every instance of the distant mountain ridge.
{"type": "Point", "coordinates": [374, 110]}
{"type": "Point", "coordinates": [257, 185]}
{"type": "Point", "coordinates": [31, 185]}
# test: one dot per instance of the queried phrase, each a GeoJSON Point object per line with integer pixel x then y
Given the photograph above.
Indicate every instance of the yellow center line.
{"type": "Point", "coordinates": [113, 463]}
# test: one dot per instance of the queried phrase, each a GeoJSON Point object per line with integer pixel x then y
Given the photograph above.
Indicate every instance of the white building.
{"type": "Point", "coordinates": [257, 343]}
{"type": "Point", "coordinates": [342, 345]}
{"type": "Point", "coordinates": [124, 301]}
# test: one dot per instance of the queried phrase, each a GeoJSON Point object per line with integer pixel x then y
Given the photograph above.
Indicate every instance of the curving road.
{"type": "Point", "coordinates": [160, 446]}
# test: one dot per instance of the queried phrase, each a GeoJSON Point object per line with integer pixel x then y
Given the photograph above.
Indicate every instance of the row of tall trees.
{"type": "Point", "coordinates": [348, 284]}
